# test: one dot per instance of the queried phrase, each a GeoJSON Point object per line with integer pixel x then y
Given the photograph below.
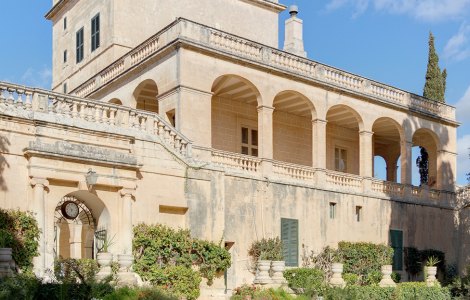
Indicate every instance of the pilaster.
{"type": "Point", "coordinates": [39, 187]}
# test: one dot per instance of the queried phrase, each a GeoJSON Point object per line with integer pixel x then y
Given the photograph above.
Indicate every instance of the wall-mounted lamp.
{"type": "Point", "coordinates": [91, 178]}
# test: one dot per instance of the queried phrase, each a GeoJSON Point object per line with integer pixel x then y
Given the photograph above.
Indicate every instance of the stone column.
{"type": "Point", "coordinates": [319, 149]}
{"type": "Point", "coordinates": [406, 162]}
{"type": "Point", "coordinates": [265, 137]}
{"type": "Point", "coordinates": [366, 159]}
{"type": "Point", "coordinates": [39, 186]}
{"type": "Point", "coordinates": [126, 233]}
{"type": "Point", "coordinates": [391, 170]}
{"type": "Point", "coordinates": [126, 259]}
{"type": "Point", "coordinates": [365, 139]}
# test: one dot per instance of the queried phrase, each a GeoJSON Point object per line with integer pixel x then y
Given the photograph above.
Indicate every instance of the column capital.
{"type": "Point", "coordinates": [39, 181]}
{"type": "Point", "coordinates": [127, 192]}
{"type": "Point", "coordinates": [366, 132]}
{"type": "Point", "coordinates": [265, 108]}
{"type": "Point", "coordinates": [319, 121]}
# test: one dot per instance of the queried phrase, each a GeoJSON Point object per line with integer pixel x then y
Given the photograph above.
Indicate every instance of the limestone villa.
{"type": "Point", "coordinates": [187, 113]}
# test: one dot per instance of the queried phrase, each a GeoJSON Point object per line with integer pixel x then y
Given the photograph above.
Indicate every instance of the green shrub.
{"type": "Point", "coordinates": [24, 229]}
{"type": "Point", "coordinates": [305, 280]}
{"type": "Point", "coordinates": [266, 249]}
{"type": "Point", "coordinates": [403, 291]}
{"type": "Point", "coordinates": [351, 279]}
{"type": "Point", "coordinates": [396, 277]}
{"type": "Point", "coordinates": [72, 270]}
{"type": "Point", "coordinates": [364, 260]}
{"type": "Point", "coordinates": [127, 293]}
{"type": "Point", "coordinates": [245, 290]}
{"type": "Point", "coordinates": [415, 259]}
{"type": "Point", "coordinates": [178, 281]}
{"type": "Point", "coordinates": [158, 246]}
{"type": "Point", "coordinates": [419, 290]}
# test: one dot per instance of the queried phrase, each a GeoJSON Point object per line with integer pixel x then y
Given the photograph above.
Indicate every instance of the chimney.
{"type": "Point", "coordinates": [293, 41]}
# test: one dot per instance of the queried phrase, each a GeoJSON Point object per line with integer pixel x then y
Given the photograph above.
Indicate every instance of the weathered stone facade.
{"type": "Point", "coordinates": [164, 124]}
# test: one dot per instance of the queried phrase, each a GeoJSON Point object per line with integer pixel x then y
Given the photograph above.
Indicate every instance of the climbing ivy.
{"type": "Point", "coordinates": [157, 247]}
{"type": "Point", "coordinates": [24, 229]}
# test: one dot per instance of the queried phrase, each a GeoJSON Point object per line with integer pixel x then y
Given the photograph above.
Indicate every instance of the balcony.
{"type": "Point", "coordinates": [202, 37]}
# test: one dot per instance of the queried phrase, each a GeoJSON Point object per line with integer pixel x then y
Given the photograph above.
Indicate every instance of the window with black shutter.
{"type": "Point", "coordinates": [290, 241]}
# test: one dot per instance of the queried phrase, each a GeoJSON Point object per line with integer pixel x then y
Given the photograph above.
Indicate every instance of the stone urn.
{"type": "Point", "coordinates": [126, 276]}
{"type": "Point", "coordinates": [262, 272]}
{"type": "Point", "coordinates": [5, 260]}
{"type": "Point", "coordinates": [387, 280]}
{"type": "Point", "coordinates": [278, 267]}
{"type": "Point", "coordinates": [431, 276]}
{"type": "Point", "coordinates": [337, 278]}
{"type": "Point", "coordinates": [104, 260]}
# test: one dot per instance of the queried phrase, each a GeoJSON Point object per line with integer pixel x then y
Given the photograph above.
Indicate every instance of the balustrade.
{"type": "Point", "coordinates": [291, 171]}
{"type": "Point", "coordinates": [246, 163]}
{"type": "Point", "coordinates": [15, 100]}
{"type": "Point", "coordinates": [349, 182]}
{"type": "Point", "coordinates": [218, 40]}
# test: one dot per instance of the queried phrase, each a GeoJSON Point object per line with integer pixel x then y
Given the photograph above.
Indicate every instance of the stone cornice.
{"type": "Point", "coordinates": [55, 9]}
{"type": "Point", "coordinates": [267, 4]}
{"type": "Point", "coordinates": [192, 35]}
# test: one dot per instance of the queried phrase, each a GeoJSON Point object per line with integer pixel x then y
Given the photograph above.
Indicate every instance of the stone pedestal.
{"type": "Point", "coordinates": [104, 260]}
{"type": "Point", "coordinates": [278, 268]}
{"type": "Point", "coordinates": [431, 276]}
{"type": "Point", "coordinates": [337, 278]}
{"type": "Point", "coordinates": [125, 275]}
{"type": "Point", "coordinates": [387, 280]}
{"type": "Point", "coordinates": [262, 272]}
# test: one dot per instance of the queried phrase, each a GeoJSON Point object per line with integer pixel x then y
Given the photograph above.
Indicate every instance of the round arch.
{"type": "Point", "coordinates": [234, 111]}
{"type": "Point", "coordinates": [342, 142]}
{"type": "Point", "coordinates": [427, 139]}
{"type": "Point", "coordinates": [292, 128]}
{"type": "Point", "coordinates": [145, 96]}
{"type": "Point", "coordinates": [387, 138]}
{"type": "Point", "coordinates": [74, 235]}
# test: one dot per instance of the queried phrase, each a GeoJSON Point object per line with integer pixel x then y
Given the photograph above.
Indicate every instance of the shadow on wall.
{"type": "Point", "coordinates": [433, 226]}
{"type": "Point", "coordinates": [4, 145]}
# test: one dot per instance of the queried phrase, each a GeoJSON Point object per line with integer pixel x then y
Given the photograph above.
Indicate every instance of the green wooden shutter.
{"type": "Point", "coordinates": [290, 241]}
{"type": "Point", "coordinates": [396, 241]}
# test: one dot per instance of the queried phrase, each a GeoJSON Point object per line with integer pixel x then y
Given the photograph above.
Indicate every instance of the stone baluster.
{"type": "Point", "coordinates": [19, 98]}
{"type": "Point", "coordinates": [132, 118]}
{"type": "Point", "coordinates": [89, 109]}
{"type": "Point", "coordinates": [82, 113]}
{"type": "Point", "coordinates": [161, 129]}
{"type": "Point", "coordinates": [3, 100]}
{"type": "Point", "coordinates": [112, 116]}
{"type": "Point", "coordinates": [184, 147]}
{"type": "Point", "coordinates": [74, 109]}
{"type": "Point", "coordinates": [172, 139]}
{"type": "Point", "coordinates": [28, 102]}
{"type": "Point", "coordinates": [143, 122]}
{"type": "Point", "coordinates": [98, 114]}
{"type": "Point", "coordinates": [51, 102]}
{"type": "Point", "coordinates": [11, 99]}
{"type": "Point", "coordinates": [178, 143]}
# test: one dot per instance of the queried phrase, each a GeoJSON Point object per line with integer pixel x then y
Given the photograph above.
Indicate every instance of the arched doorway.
{"type": "Point", "coordinates": [79, 227]}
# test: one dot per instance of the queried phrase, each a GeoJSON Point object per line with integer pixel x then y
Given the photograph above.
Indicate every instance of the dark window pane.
{"type": "Point", "coordinates": [245, 150]}
{"type": "Point", "coordinates": [254, 137]}
{"type": "Point", "coordinates": [244, 135]}
{"type": "Point", "coordinates": [254, 152]}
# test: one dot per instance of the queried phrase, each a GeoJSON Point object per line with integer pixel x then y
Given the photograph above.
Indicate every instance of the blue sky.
{"type": "Point", "coordinates": [386, 40]}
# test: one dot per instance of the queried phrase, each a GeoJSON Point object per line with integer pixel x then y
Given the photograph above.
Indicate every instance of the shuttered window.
{"type": "Point", "coordinates": [79, 46]}
{"type": "Point", "coordinates": [95, 32]}
{"type": "Point", "coordinates": [396, 241]}
{"type": "Point", "coordinates": [290, 241]}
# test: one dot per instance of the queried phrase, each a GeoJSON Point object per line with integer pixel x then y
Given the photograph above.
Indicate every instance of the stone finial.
{"type": "Point", "coordinates": [293, 41]}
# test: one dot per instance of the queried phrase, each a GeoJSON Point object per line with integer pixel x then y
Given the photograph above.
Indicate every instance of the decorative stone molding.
{"type": "Point", "coordinates": [83, 152]}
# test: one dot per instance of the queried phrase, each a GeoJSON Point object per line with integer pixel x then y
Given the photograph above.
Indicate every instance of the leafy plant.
{"type": "Point", "coordinates": [6, 239]}
{"type": "Point", "coordinates": [364, 260]}
{"type": "Point", "coordinates": [24, 230]}
{"type": "Point", "coordinates": [266, 249]}
{"type": "Point", "coordinates": [305, 280]}
{"type": "Point", "coordinates": [72, 270]}
{"type": "Point", "coordinates": [432, 261]}
{"type": "Point", "coordinates": [156, 247]}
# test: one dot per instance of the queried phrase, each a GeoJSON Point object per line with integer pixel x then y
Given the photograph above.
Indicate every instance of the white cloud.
{"type": "Point", "coordinates": [426, 10]}
{"type": "Point", "coordinates": [458, 46]}
{"type": "Point", "coordinates": [37, 78]}
{"type": "Point", "coordinates": [462, 107]}
{"type": "Point", "coordinates": [463, 159]}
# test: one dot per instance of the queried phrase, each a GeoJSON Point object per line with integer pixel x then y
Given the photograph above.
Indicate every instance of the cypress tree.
{"type": "Point", "coordinates": [435, 85]}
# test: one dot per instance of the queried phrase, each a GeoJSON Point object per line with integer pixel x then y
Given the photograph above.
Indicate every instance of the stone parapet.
{"type": "Point", "coordinates": [189, 33]}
